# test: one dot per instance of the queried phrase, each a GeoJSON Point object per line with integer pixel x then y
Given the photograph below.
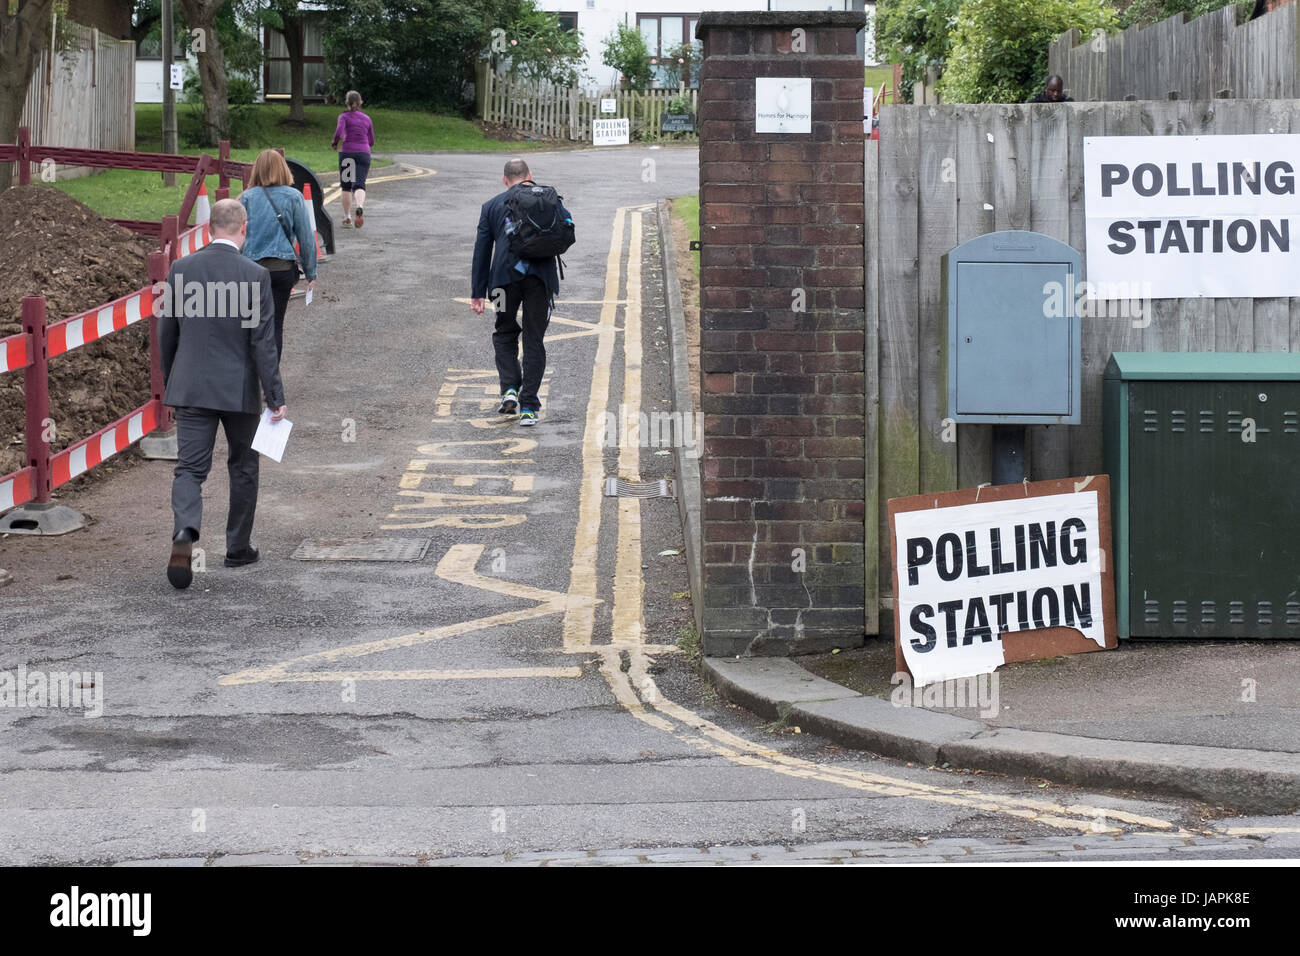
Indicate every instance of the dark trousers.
{"type": "Point", "coordinates": [282, 283]}
{"type": "Point", "coordinates": [196, 432]}
{"type": "Point", "coordinates": [531, 293]}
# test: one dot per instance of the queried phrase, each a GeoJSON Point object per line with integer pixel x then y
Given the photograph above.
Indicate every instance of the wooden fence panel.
{"type": "Point", "coordinates": [899, 304]}
{"type": "Point", "coordinates": [555, 112]}
{"type": "Point", "coordinates": [975, 217]}
{"type": "Point", "coordinates": [1049, 214]}
{"type": "Point", "coordinates": [1085, 456]}
{"type": "Point", "coordinates": [1015, 167]}
{"type": "Point", "coordinates": [1196, 59]}
{"type": "Point", "coordinates": [83, 96]}
{"type": "Point", "coordinates": [937, 233]}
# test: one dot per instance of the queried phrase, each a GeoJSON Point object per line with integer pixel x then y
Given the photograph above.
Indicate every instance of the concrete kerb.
{"type": "Point", "coordinates": [1252, 781]}
{"type": "Point", "coordinates": [688, 467]}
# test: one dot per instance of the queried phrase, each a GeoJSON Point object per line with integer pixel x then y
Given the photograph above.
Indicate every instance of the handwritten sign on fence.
{"type": "Point", "coordinates": [611, 132]}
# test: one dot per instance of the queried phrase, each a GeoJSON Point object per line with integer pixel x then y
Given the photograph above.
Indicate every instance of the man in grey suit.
{"type": "Point", "coordinates": [217, 333]}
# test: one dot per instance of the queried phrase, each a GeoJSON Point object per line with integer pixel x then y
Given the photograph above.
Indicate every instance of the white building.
{"type": "Point", "coordinates": [666, 24]}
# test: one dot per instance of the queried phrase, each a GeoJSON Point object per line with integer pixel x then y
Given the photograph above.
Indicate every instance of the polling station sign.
{"type": "Point", "coordinates": [997, 574]}
{"type": "Point", "coordinates": [611, 132]}
{"type": "Point", "coordinates": [1188, 216]}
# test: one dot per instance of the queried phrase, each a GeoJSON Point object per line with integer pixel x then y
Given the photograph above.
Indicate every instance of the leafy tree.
{"type": "Point", "coordinates": [24, 31]}
{"type": "Point", "coordinates": [999, 51]}
{"type": "Point", "coordinates": [284, 15]}
{"type": "Point", "coordinates": [625, 51]}
{"type": "Point", "coordinates": [410, 52]}
{"type": "Point", "coordinates": [916, 34]}
{"type": "Point", "coordinates": [539, 48]}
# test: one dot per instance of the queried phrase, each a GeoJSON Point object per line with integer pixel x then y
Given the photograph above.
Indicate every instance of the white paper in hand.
{"type": "Point", "coordinates": [272, 436]}
{"type": "Point", "coordinates": [306, 299]}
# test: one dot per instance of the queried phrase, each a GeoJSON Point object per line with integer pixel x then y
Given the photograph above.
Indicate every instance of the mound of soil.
{"type": "Point", "coordinates": [52, 245]}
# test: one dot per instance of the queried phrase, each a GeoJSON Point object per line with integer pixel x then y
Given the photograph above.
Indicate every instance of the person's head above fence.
{"type": "Point", "coordinates": [1054, 88]}
{"type": "Point", "coordinates": [228, 220]}
{"type": "Point", "coordinates": [516, 171]}
{"type": "Point", "coordinates": [270, 169]}
{"type": "Point", "coordinates": [353, 100]}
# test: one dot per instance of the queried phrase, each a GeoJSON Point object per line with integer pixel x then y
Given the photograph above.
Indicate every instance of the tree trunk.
{"type": "Point", "coordinates": [22, 36]}
{"type": "Point", "coordinates": [293, 42]}
{"type": "Point", "coordinates": [202, 15]}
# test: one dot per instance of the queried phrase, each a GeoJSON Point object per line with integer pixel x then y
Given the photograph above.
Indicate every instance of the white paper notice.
{"type": "Point", "coordinates": [970, 573]}
{"type": "Point", "coordinates": [272, 436]}
{"type": "Point", "coordinates": [306, 300]}
{"type": "Point", "coordinates": [1171, 217]}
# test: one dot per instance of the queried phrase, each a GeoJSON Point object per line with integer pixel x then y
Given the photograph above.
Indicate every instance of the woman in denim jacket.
{"type": "Point", "coordinates": [277, 218]}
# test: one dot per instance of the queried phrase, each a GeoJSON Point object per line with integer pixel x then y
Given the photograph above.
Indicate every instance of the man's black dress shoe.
{"type": "Point", "coordinates": [237, 559]}
{"type": "Point", "coordinates": [178, 567]}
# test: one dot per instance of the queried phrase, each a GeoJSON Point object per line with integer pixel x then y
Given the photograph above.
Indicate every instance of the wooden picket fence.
{"type": "Point", "coordinates": [560, 112]}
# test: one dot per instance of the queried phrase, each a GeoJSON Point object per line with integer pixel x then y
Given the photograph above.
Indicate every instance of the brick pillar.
{"type": "Point", "coordinates": [782, 337]}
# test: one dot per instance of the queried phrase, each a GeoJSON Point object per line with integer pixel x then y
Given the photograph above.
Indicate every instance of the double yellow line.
{"type": "Point", "coordinates": [634, 688]}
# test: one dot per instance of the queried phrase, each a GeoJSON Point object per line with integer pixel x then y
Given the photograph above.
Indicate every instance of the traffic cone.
{"type": "Point", "coordinates": [311, 217]}
{"type": "Point", "coordinates": [202, 208]}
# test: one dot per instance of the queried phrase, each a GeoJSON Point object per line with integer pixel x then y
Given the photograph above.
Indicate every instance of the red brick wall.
{"type": "Point", "coordinates": [783, 390]}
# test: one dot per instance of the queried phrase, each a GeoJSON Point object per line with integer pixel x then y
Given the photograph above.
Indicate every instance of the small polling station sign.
{"type": "Point", "coordinates": [1187, 216]}
{"type": "Point", "coordinates": [611, 132]}
{"type": "Point", "coordinates": [987, 576]}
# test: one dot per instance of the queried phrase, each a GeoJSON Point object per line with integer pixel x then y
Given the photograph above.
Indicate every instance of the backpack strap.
{"type": "Point", "coordinates": [278, 218]}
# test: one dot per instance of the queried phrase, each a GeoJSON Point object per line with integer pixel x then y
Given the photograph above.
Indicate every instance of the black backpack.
{"type": "Point", "coordinates": [536, 226]}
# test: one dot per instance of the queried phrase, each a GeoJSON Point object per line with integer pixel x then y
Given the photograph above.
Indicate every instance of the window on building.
{"type": "Point", "coordinates": [568, 22]}
{"type": "Point", "coordinates": [664, 33]}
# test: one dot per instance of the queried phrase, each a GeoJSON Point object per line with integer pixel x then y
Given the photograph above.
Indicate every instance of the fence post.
{"type": "Point", "coordinates": [170, 232]}
{"type": "Point", "coordinates": [157, 274]}
{"type": "Point", "coordinates": [37, 388]}
{"type": "Point", "coordinates": [24, 156]}
{"type": "Point", "coordinates": [39, 516]}
{"type": "Point", "coordinates": [223, 181]}
{"type": "Point", "coordinates": [160, 444]}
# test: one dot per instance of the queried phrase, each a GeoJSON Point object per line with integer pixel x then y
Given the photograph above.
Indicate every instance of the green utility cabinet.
{"type": "Point", "coordinates": [1203, 453]}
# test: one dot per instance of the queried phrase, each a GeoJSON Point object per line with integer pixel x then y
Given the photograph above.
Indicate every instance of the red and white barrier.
{"type": "Point", "coordinates": [13, 353]}
{"type": "Point", "coordinates": [86, 454]}
{"type": "Point", "coordinates": [68, 334]}
{"type": "Point", "coordinates": [192, 240]}
{"type": "Point", "coordinates": [16, 489]}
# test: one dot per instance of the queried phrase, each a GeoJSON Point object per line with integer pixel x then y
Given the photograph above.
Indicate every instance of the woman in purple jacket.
{"type": "Point", "coordinates": [353, 137]}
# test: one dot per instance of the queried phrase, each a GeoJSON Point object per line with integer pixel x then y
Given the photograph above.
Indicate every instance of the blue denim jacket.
{"type": "Point", "coordinates": [266, 237]}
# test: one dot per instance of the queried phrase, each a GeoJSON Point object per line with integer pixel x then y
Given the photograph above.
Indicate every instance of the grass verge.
{"type": "Point", "coordinates": [134, 194]}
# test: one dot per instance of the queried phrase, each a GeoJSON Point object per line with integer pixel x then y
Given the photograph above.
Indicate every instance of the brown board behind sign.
{"type": "Point", "coordinates": [1032, 644]}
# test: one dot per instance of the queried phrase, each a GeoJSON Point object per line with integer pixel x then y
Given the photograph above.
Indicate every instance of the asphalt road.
{"type": "Point", "coordinates": [519, 689]}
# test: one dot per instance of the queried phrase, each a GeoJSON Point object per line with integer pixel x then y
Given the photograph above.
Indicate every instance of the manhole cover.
{"type": "Point", "coordinates": [620, 488]}
{"type": "Point", "coordinates": [362, 549]}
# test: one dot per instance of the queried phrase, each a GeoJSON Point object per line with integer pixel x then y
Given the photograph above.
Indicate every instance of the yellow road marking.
{"type": "Point", "coordinates": [653, 709]}
{"type": "Point", "coordinates": [480, 673]}
{"type": "Point", "coordinates": [579, 621]}
{"type": "Point", "coordinates": [457, 566]}
{"type": "Point", "coordinates": [415, 172]}
{"type": "Point", "coordinates": [629, 586]}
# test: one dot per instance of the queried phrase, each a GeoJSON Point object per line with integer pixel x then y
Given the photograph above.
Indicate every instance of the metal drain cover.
{"type": "Point", "coordinates": [362, 549]}
{"type": "Point", "coordinates": [620, 488]}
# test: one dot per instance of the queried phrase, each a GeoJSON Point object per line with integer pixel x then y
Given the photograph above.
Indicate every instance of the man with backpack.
{"type": "Point", "coordinates": [521, 234]}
